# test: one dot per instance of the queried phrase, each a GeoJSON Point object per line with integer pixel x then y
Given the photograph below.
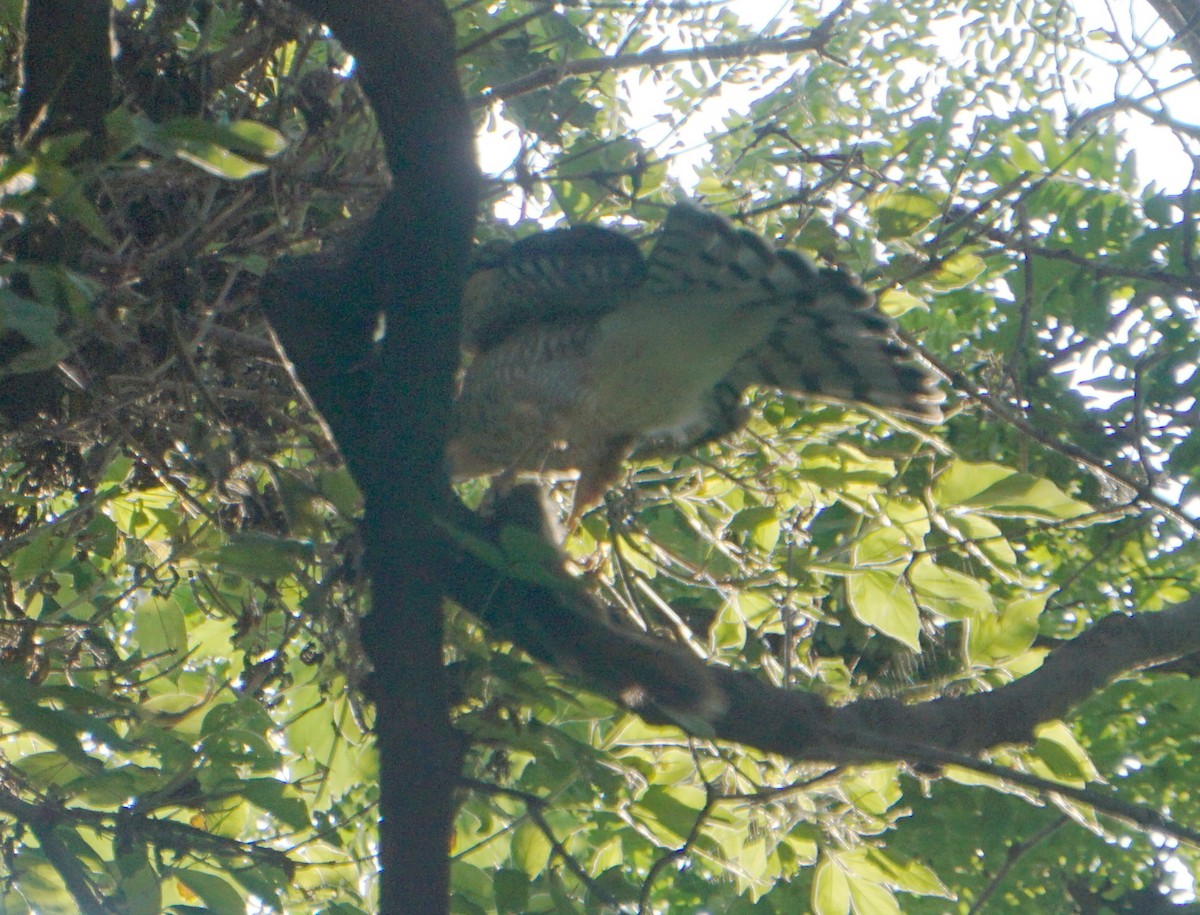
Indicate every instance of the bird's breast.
{"type": "Point", "coordinates": [653, 365]}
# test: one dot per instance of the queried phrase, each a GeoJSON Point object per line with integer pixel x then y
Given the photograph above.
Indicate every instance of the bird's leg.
{"type": "Point", "coordinates": [597, 473]}
{"type": "Point", "coordinates": [499, 488]}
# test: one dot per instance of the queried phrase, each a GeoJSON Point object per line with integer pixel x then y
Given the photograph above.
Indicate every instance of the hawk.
{"type": "Point", "coordinates": [582, 353]}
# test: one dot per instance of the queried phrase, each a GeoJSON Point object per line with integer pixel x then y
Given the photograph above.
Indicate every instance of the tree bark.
{"type": "Point", "coordinates": [66, 67]}
{"type": "Point", "coordinates": [1183, 16]}
{"type": "Point", "coordinates": [389, 415]}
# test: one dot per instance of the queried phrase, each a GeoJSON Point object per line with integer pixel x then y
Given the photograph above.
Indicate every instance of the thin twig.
{"type": "Point", "coordinates": [1015, 854]}
{"type": "Point", "coordinates": [1125, 482]}
{"type": "Point", "coordinates": [548, 76]}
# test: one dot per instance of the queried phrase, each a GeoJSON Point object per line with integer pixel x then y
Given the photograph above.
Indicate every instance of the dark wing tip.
{"type": "Point", "coordinates": [557, 276]}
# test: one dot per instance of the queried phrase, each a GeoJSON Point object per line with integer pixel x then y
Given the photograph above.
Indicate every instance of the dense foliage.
{"type": "Point", "coordinates": [179, 580]}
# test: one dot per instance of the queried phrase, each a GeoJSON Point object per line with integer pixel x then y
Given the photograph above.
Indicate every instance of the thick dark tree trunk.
{"type": "Point", "coordinates": [66, 67]}
{"type": "Point", "coordinates": [390, 418]}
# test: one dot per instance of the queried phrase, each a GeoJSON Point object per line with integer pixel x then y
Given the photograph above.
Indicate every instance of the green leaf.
{"type": "Point", "coordinates": [265, 882]}
{"type": "Point", "coordinates": [963, 480]}
{"type": "Point", "coordinates": [236, 747]}
{"type": "Point", "coordinates": [995, 639]}
{"type": "Point", "coordinates": [139, 886]}
{"type": "Point", "coordinates": [41, 885]}
{"type": "Point", "coordinates": [278, 799]}
{"type": "Point", "coordinates": [882, 546]}
{"type": "Point", "coordinates": [758, 610]}
{"type": "Point", "coordinates": [254, 138]}
{"type": "Point", "coordinates": [957, 271]}
{"type": "Point", "coordinates": [986, 537]}
{"type": "Point", "coordinates": [761, 522]}
{"type": "Point", "coordinates": [219, 150]}
{"type": "Point", "coordinates": [673, 808]}
{"type": "Point", "coordinates": [59, 727]}
{"type": "Point", "coordinates": [710, 187]}
{"type": "Point", "coordinates": [872, 789]}
{"type": "Point", "coordinates": [254, 554]}
{"type": "Point", "coordinates": [160, 629]}
{"type": "Point", "coordinates": [45, 552]}
{"type": "Point", "coordinates": [67, 292]}
{"type": "Point", "coordinates": [38, 324]}
{"type": "Point", "coordinates": [1023, 495]}
{"type": "Point", "coordinates": [895, 302]}
{"type": "Point", "coordinates": [114, 787]}
{"type": "Point", "coordinates": [115, 473]}
{"type": "Point", "coordinates": [901, 214]}
{"type": "Point", "coordinates": [340, 488]}
{"type": "Point", "coordinates": [1002, 491]}
{"type": "Point", "coordinates": [32, 320]}
{"type": "Point", "coordinates": [529, 557]}
{"type": "Point", "coordinates": [803, 840]}
{"type": "Point", "coordinates": [1023, 156]}
{"type": "Point", "coordinates": [1062, 757]}
{"type": "Point", "coordinates": [903, 873]}
{"type": "Point", "coordinates": [219, 896]}
{"type": "Point", "coordinates": [831, 889]}
{"type": "Point", "coordinates": [511, 891]}
{"type": "Point", "coordinates": [69, 201]}
{"type": "Point", "coordinates": [879, 599]}
{"type": "Point", "coordinates": [49, 769]}
{"type": "Point", "coordinates": [218, 161]}
{"type": "Point", "coordinates": [948, 593]}
{"type": "Point", "coordinates": [245, 713]}
{"type": "Point", "coordinates": [530, 848]}
{"type": "Point", "coordinates": [872, 899]}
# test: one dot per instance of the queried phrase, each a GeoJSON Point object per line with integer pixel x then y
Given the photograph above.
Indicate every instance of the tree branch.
{"type": "Point", "coordinates": [1172, 282]}
{"type": "Point", "coordinates": [389, 421]}
{"type": "Point", "coordinates": [44, 819]}
{"type": "Point", "coordinates": [388, 411]}
{"type": "Point", "coordinates": [1183, 16]}
{"type": "Point", "coordinates": [557, 621]}
{"type": "Point", "coordinates": [66, 67]}
{"type": "Point", "coordinates": [1015, 855]}
{"type": "Point", "coordinates": [816, 40]}
{"type": "Point", "coordinates": [1136, 488]}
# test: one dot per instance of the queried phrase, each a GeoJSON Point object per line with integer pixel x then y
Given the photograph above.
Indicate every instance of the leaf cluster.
{"type": "Point", "coordinates": [179, 581]}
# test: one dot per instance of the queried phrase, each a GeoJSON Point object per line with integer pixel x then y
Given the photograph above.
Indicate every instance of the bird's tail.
{"type": "Point", "coordinates": [834, 345]}
{"type": "Point", "coordinates": [830, 342]}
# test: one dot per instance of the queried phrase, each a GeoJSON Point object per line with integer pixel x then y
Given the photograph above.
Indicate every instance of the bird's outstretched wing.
{"type": "Point", "coordinates": [584, 352]}
{"type": "Point", "coordinates": [829, 341]}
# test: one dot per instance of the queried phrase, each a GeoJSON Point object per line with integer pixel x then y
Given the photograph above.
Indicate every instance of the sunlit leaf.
{"type": "Point", "coordinates": [831, 889]}
{"type": "Point", "coordinates": [873, 789]}
{"type": "Point", "coordinates": [880, 600]}
{"type": "Point", "coordinates": [948, 592]}
{"type": "Point", "coordinates": [530, 848]}
{"type": "Point", "coordinates": [872, 899]}
{"type": "Point", "coordinates": [1062, 756]}
{"type": "Point", "coordinates": [882, 546]}
{"type": "Point", "coordinates": [160, 629]}
{"type": "Point", "coordinates": [903, 213]}
{"type": "Point", "coordinates": [220, 150]}
{"type": "Point", "coordinates": [896, 302]}
{"type": "Point", "coordinates": [1024, 495]}
{"type": "Point", "coordinates": [957, 271]}
{"type": "Point", "coordinates": [994, 639]}
{"type": "Point", "coordinates": [219, 896]}
{"type": "Point", "coordinates": [260, 555]}
{"type": "Point", "coordinates": [907, 874]}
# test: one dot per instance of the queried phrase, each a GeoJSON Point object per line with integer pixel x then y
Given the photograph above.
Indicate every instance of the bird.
{"type": "Point", "coordinates": [581, 353]}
